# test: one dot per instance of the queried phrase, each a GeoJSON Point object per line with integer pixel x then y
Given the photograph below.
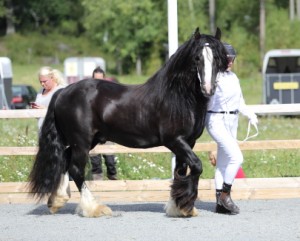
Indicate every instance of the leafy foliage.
{"type": "Point", "coordinates": [132, 31]}
{"type": "Point", "coordinates": [126, 29]}
{"type": "Point", "coordinates": [283, 33]}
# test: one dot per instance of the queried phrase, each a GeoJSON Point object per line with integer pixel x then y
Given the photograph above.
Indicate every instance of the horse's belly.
{"type": "Point", "coordinates": [138, 141]}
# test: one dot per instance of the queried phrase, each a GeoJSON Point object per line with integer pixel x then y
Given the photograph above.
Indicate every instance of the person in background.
{"type": "Point", "coordinates": [96, 161]}
{"type": "Point", "coordinates": [222, 123]}
{"type": "Point", "coordinates": [51, 80]}
{"type": "Point", "coordinates": [59, 78]}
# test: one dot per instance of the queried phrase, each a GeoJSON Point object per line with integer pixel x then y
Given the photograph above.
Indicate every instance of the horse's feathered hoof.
{"type": "Point", "coordinates": [57, 202]}
{"type": "Point", "coordinates": [173, 211]}
{"type": "Point", "coordinates": [94, 211]}
{"type": "Point", "coordinates": [102, 210]}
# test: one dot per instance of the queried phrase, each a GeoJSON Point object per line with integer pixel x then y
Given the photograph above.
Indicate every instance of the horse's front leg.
{"type": "Point", "coordinates": [88, 206]}
{"type": "Point", "coordinates": [184, 190]}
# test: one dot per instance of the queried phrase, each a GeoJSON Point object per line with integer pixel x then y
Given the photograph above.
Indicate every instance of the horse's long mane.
{"type": "Point", "coordinates": [176, 84]}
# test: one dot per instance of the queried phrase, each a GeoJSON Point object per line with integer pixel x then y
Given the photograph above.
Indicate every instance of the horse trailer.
{"type": "Point", "coordinates": [78, 68]}
{"type": "Point", "coordinates": [5, 82]}
{"type": "Point", "coordinates": [281, 76]}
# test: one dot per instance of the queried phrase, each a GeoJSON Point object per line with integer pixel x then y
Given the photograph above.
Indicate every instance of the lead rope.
{"type": "Point", "coordinates": [248, 132]}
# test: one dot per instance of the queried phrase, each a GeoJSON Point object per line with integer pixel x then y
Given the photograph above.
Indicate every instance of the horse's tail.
{"type": "Point", "coordinates": [50, 163]}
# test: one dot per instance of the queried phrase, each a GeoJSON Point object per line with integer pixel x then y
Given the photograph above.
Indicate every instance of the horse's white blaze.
{"type": "Point", "coordinates": [208, 62]}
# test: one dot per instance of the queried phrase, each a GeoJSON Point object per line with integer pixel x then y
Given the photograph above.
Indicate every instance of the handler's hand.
{"type": "Point", "coordinates": [254, 120]}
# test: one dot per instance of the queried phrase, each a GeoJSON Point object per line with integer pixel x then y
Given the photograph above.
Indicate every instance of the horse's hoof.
{"type": "Point", "coordinates": [56, 203]}
{"type": "Point", "coordinates": [173, 211]}
{"type": "Point", "coordinates": [94, 211]}
{"type": "Point", "coordinates": [102, 210]}
{"type": "Point", "coordinates": [193, 213]}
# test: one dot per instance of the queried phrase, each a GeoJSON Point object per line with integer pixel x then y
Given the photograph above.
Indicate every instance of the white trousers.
{"type": "Point", "coordinates": [223, 129]}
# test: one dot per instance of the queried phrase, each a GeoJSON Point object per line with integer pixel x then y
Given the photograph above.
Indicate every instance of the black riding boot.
{"type": "Point", "coordinates": [111, 167]}
{"type": "Point", "coordinates": [219, 207]}
{"type": "Point", "coordinates": [226, 201]}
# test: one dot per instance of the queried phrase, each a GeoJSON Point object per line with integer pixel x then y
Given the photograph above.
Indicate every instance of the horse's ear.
{"type": "Point", "coordinates": [218, 34]}
{"type": "Point", "coordinates": [197, 34]}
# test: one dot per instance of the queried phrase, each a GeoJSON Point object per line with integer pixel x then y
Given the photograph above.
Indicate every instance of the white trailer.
{"type": "Point", "coordinates": [78, 68]}
{"type": "Point", "coordinates": [281, 76]}
{"type": "Point", "coordinates": [5, 82]}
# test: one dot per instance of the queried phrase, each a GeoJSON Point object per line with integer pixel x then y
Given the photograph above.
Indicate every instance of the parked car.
{"type": "Point", "coordinates": [22, 96]}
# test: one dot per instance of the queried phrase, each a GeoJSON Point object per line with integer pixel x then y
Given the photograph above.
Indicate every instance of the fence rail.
{"type": "Point", "coordinates": [280, 109]}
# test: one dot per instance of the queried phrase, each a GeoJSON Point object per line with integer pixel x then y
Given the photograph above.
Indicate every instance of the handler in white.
{"type": "Point", "coordinates": [222, 124]}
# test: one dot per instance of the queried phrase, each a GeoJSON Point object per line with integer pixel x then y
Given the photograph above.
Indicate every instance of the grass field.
{"type": "Point", "coordinates": [274, 163]}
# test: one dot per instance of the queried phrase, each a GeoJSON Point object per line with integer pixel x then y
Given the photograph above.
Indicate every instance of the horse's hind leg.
{"type": "Point", "coordinates": [63, 194]}
{"type": "Point", "coordinates": [184, 190]}
{"type": "Point", "coordinates": [88, 206]}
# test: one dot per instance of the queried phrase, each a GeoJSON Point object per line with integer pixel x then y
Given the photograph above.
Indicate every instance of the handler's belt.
{"type": "Point", "coordinates": [235, 112]}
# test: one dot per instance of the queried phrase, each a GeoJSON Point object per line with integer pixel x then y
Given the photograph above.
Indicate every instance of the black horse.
{"type": "Point", "coordinates": [169, 110]}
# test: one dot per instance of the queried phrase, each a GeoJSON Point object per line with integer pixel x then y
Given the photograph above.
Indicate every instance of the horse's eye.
{"type": "Point", "coordinates": [197, 58]}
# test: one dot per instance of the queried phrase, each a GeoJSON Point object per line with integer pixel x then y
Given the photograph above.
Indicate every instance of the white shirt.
{"type": "Point", "coordinates": [228, 95]}
{"type": "Point", "coordinates": [44, 100]}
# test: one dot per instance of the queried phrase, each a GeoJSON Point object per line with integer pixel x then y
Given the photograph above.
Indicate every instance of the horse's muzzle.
{"type": "Point", "coordinates": [208, 93]}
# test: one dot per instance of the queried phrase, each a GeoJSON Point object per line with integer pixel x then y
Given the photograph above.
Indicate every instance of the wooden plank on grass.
{"type": "Point", "coordinates": [264, 193]}
{"type": "Point", "coordinates": [13, 187]}
{"type": "Point", "coordinates": [159, 190]}
{"type": "Point", "coordinates": [138, 185]}
{"type": "Point", "coordinates": [270, 145]}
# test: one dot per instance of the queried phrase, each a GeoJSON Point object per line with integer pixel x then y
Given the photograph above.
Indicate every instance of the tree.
{"type": "Point", "coordinates": [39, 15]}
{"type": "Point", "coordinates": [192, 14]}
{"type": "Point", "coordinates": [126, 29]}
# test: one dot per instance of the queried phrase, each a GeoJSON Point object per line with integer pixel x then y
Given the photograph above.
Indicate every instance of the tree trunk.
{"type": "Point", "coordinates": [298, 9]}
{"type": "Point", "coordinates": [212, 11]}
{"type": "Point", "coordinates": [10, 27]}
{"type": "Point", "coordinates": [35, 17]}
{"type": "Point", "coordinates": [119, 66]}
{"type": "Point", "coordinates": [262, 23]}
{"type": "Point", "coordinates": [292, 10]}
{"type": "Point", "coordinates": [139, 66]}
{"type": "Point", "coordinates": [191, 9]}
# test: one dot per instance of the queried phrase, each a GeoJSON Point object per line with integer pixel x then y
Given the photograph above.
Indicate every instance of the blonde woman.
{"type": "Point", "coordinates": [51, 80]}
{"type": "Point", "coordinates": [59, 78]}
